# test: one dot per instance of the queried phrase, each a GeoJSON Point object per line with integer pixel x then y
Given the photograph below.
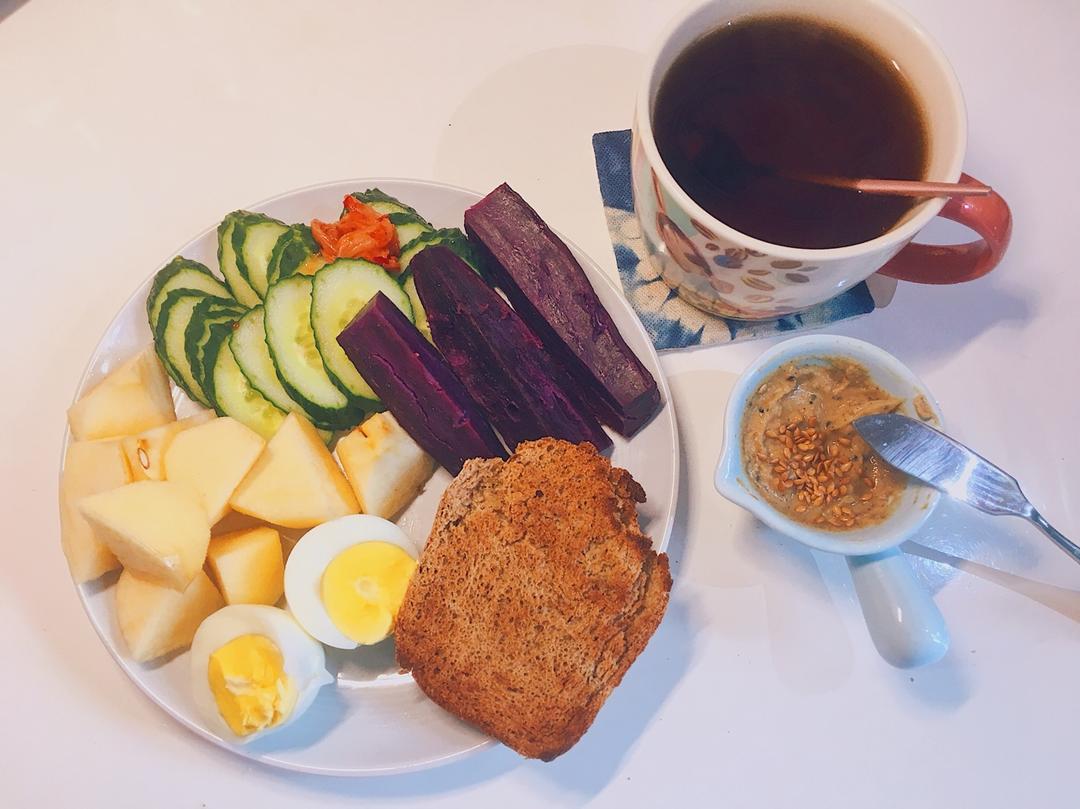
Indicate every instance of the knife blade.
{"type": "Point", "coordinates": [914, 447]}
{"type": "Point", "coordinates": [929, 455]}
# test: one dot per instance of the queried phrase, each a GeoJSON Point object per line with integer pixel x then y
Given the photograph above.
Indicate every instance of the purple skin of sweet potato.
{"type": "Point", "coordinates": [551, 292]}
{"type": "Point", "coordinates": [417, 386]}
{"type": "Point", "coordinates": [501, 362]}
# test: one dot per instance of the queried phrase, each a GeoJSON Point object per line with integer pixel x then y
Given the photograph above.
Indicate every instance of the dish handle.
{"type": "Point", "coordinates": [904, 622]}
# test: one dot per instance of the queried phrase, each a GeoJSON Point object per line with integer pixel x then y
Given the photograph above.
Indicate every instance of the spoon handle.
{"type": "Point", "coordinates": [1055, 535]}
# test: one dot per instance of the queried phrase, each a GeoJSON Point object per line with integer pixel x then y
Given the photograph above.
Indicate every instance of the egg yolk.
{"type": "Point", "coordinates": [363, 587]}
{"type": "Point", "coordinates": [248, 681]}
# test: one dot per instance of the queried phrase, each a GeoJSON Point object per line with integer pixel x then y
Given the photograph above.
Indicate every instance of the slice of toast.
{"type": "Point", "coordinates": [535, 593]}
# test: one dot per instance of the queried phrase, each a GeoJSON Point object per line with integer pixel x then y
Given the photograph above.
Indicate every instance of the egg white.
{"type": "Point", "coordinates": [310, 557]}
{"type": "Point", "coordinates": [304, 660]}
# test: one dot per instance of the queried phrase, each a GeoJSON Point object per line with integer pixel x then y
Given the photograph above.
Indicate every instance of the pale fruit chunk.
{"type": "Point", "coordinates": [146, 451]}
{"type": "Point", "coordinates": [385, 467]}
{"type": "Point", "coordinates": [90, 467]}
{"type": "Point", "coordinates": [295, 483]}
{"type": "Point", "coordinates": [248, 566]}
{"type": "Point", "coordinates": [156, 528]}
{"type": "Point", "coordinates": [213, 458]}
{"type": "Point", "coordinates": [155, 619]}
{"type": "Point", "coordinates": [133, 398]}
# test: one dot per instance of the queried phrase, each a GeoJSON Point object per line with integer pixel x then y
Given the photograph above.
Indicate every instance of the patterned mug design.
{"type": "Point", "coordinates": [725, 279]}
{"type": "Point", "coordinates": [714, 273]}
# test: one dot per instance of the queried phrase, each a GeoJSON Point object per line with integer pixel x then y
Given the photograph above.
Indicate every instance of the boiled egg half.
{"type": "Point", "coordinates": [345, 579]}
{"type": "Point", "coordinates": [254, 670]}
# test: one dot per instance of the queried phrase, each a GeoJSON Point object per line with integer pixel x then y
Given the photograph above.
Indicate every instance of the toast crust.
{"type": "Point", "coordinates": [535, 593]}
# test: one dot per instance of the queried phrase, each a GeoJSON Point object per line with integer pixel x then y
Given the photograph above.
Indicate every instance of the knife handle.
{"type": "Point", "coordinates": [1055, 535]}
{"type": "Point", "coordinates": [903, 620]}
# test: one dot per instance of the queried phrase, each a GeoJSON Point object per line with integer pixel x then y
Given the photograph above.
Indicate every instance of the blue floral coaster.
{"type": "Point", "coordinates": [671, 321]}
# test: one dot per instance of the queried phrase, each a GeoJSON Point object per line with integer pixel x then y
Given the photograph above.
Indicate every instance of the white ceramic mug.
{"type": "Point", "coordinates": [723, 271]}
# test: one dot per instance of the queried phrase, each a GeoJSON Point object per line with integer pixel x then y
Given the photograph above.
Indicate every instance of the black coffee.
{"type": "Point", "coordinates": [751, 109]}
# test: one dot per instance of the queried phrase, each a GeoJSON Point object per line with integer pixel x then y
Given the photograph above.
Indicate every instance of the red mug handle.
{"type": "Point", "coordinates": [988, 216]}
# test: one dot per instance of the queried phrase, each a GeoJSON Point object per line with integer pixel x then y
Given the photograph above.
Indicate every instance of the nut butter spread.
{"type": "Point", "coordinates": [802, 453]}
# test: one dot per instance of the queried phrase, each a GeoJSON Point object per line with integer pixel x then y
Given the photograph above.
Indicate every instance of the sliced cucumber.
{"type": "Point", "coordinates": [173, 321]}
{"type": "Point", "coordinates": [449, 237]}
{"type": "Point", "coordinates": [408, 226]}
{"type": "Point", "coordinates": [419, 313]}
{"type": "Point", "coordinates": [248, 343]}
{"type": "Point", "coordinates": [181, 273]}
{"type": "Point", "coordinates": [253, 240]}
{"type": "Point", "coordinates": [300, 368]}
{"type": "Point", "coordinates": [227, 260]}
{"type": "Point", "coordinates": [294, 249]}
{"type": "Point", "coordinates": [234, 395]}
{"type": "Point", "coordinates": [384, 203]}
{"type": "Point", "coordinates": [211, 322]}
{"type": "Point", "coordinates": [340, 290]}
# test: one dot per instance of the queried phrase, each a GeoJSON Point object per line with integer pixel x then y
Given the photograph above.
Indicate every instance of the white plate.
{"type": "Point", "coordinates": [374, 721]}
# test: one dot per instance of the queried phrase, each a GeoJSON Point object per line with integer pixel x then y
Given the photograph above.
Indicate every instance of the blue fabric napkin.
{"type": "Point", "coordinates": [671, 321]}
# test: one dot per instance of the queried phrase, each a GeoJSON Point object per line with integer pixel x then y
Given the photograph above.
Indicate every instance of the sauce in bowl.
{"type": "Point", "coordinates": [802, 453]}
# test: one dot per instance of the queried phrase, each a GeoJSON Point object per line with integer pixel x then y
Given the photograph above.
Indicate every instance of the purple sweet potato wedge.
{"type": "Point", "coordinates": [500, 361]}
{"type": "Point", "coordinates": [417, 386]}
{"type": "Point", "coordinates": [551, 292]}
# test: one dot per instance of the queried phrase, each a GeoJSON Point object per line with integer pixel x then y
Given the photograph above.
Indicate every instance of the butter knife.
{"type": "Point", "coordinates": [937, 460]}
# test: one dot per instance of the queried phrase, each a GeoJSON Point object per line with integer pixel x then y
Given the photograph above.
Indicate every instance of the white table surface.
{"type": "Point", "coordinates": [126, 127]}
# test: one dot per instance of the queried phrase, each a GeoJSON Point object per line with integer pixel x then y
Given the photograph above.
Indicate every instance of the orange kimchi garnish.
{"type": "Point", "coordinates": [361, 232]}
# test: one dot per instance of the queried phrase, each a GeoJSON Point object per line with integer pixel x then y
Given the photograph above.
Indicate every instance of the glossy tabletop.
{"type": "Point", "coordinates": [128, 127]}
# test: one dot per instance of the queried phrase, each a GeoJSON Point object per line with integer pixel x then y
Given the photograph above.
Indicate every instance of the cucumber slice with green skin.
{"type": "Point", "coordinates": [289, 336]}
{"type": "Point", "coordinates": [181, 273]}
{"type": "Point", "coordinates": [253, 240]}
{"type": "Point", "coordinates": [173, 321]}
{"type": "Point", "coordinates": [248, 343]}
{"type": "Point", "coordinates": [339, 292]}
{"type": "Point", "coordinates": [234, 395]}
{"type": "Point", "coordinates": [227, 261]}
{"type": "Point", "coordinates": [216, 336]}
{"type": "Point", "coordinates": [451, 237]}
{"type": "Point", "coordinates": [210, 319]}
{"type": "Point", "coordinates": [408, 226]}
{"type": "Point", "coordinates": [292, 250]}
{"type": "Point", "coordinates": [385, 204]}
{"type": "Point", "coordinates": [419, 314]}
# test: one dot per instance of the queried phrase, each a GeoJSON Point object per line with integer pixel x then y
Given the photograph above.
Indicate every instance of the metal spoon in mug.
{"type": "Point", "coordinates": [722, 161]}
{"type": "Point", "coordinates": [937, 460]}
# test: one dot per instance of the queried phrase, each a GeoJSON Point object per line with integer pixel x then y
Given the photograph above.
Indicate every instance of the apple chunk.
{"type": "Point", "coordinates": [146, 451]}
{"type": "Point", "coordinates": [133, 398]}
{"type": "Point", "coordinates": [90, 467]}
{"type": "Point", "coordinates": [156, 620]}
{"type": "Point", "coordinates": [385, 467]}
{"type": "Point", "coordinates": [248, 566]}
{"type": "Point", "coordinates": [295, 483]}
{"type": "Point", "coordinates": [213, 458]}
{"type": "Point", "coordinates": [156, 528]}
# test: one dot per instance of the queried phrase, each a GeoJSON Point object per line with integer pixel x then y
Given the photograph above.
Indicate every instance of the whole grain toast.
{"type": "Point", "coordinates": [535, 593]}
